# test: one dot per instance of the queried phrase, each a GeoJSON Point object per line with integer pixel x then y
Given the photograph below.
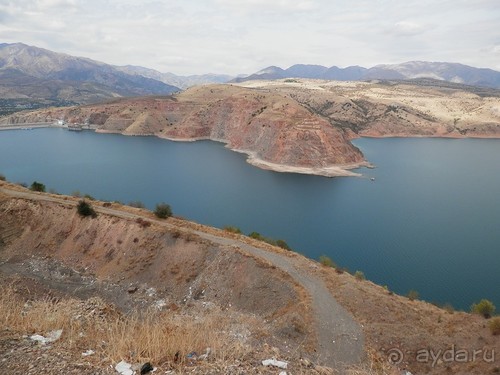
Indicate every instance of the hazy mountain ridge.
{"type": "Point", "coordinates": [40, 74]}
{"type": "Point", "coordinates": [182, 82]}
{"type": "Point", "coordinates": [451, 72]}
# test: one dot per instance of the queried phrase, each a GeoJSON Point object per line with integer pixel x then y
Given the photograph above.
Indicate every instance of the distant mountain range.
{"type": "Point", "coordinates": [172, 79]}
{"type": "Point", "coordinates": [32, 77]}
{"type": "Point", "coordinates": [36, 73]}
{"type": "Point", "coordinates": [452, 72]}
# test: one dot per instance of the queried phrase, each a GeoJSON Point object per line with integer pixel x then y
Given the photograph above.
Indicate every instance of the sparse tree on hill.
{"type": "Point", "coordinates": [85, 209]}
{"type": "Point", "coordinates": [37, 186]}
{"type": "Point", "coordinates": [163, 211]}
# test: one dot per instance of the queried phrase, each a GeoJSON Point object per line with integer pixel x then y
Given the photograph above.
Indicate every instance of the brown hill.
{"type": "Point", "coordinates": [274, 130]}
{"type": "Point", "coordinates": [294, 125]}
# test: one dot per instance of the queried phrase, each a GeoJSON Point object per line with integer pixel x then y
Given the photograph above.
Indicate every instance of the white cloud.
{"type": "Point", "coordinates": [408, 28]}
{"type": "Point", "coordinates": [243, 36]}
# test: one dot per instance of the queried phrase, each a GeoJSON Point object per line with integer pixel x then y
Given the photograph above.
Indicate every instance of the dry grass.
{"type": "Point", "coordinates": [151, 335]}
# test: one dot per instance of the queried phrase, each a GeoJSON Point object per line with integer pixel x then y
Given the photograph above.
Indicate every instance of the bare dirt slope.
{"type": "Point", "coordinates": [287, 296]}
{"type": "Point", "coordinates": [181, 265]}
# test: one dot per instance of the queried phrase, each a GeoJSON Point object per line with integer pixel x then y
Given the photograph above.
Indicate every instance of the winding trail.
{"type": "Point", "coordinates": [340, 338]}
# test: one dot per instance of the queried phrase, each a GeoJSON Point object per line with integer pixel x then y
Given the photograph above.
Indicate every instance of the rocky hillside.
{"type": "Point", "coordinates": [426, 108]}
{"type": "Point", "coordinates": [294, 125]}
{"type": "Point", "coordinates": [275, 131]}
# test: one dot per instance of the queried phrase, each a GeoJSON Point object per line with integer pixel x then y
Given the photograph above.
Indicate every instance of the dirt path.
{"type": "Point", "coordinates": [340, 338]}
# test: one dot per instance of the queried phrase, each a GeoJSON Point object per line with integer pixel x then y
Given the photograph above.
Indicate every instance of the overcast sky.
{"type": "Point", "coordinates": [243, 36]}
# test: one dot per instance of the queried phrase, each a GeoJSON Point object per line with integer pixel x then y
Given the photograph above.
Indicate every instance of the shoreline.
{"type": "Point", "coordinates": [339, 170]}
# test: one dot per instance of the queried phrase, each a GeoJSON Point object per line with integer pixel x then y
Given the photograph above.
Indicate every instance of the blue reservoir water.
{"type": "Point", "coordinates": [430, 221]}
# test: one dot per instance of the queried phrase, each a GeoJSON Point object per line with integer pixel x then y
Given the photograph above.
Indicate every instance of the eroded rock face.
{"type": "Point", "coordinates": [275, 130]}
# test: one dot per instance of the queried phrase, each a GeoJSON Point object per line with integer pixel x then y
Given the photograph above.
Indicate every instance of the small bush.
{"type": "Point", "coordinates": [256, 236]}
{"type": "Point", "coordinates": [23, 184]}
{"type": "Point", "coordinates": [136, 204]}
{"type": "Point", "coordinates": [484, 307]}
{"type": "Point", "coordinates": [76, 194]}
{"type": "Point", "coordinates": [283, 245]}
{"type": "Point", "coordinates": [340, 270]}
{"type": "Point", "coordinates": [326, 261]}
{"type": "Point", "coordinates": [163, 211]}
{"type": "Point", "coordinates": [413, 295]}
{"type": "Point", "coordinates": [37, 186]}
{"type": "Point", "coordinates": [85, 209]}
{"type": "Point", "coordinates": [89, 197]}
{"type": "Point", "coordinates": [2, 177]}
{"type": "Point", "coordinates": [494, 325]}
{"type": "Point", "coordinates": [143, 223]}
{"type": "Point", "coordinates": [232, 229]}
{"type": "Point", "coordinates": [359, 275]}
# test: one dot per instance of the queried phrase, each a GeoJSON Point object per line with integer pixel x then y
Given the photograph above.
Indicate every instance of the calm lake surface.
{"type": "Point", "coordinates": [430, 221]}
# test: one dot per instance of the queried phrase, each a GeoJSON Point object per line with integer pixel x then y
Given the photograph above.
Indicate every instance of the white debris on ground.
{"type": "Point", "coordinates": [275, 363]}
{"type": "Point", "coordinates": [51, 337]}
{"type": "Point", "coordinates": [151, 292]}
{"type": "Point", "coordinates": [160, 304]}
{"type": "Point", "coordinates": [88, 352]}
{"type": "Point", "coordinates": [124, 368]}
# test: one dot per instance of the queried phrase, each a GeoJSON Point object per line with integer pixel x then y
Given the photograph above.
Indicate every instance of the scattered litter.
{"type": "Point", "coordinates": [160, 304]}
{"type": "Point", "coordinates": [203, 357]}
{"type": "Point", "coordinates": [275, 363]}
{"type": "Point", "coordinates": [124, 368]}
{"type": "Point", "coordinates": [146, 368]}
{"type": "Point", "coordinates": [51, 337]}
{"type": "Point", "coordinates": [88, 352]}
{"type": "Point", "coordinates": [192, 355]}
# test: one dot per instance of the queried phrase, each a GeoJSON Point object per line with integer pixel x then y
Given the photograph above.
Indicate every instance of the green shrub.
{"type": "Point", "coordinates": [89, 197]}
{"type": "Point", "coordinates": [23, 184]}
{"type": "Point", "coordinates": [37, 186]}
{"type": "Point", "coordinates": [413, 295]}
{"type": "Point", "coordinates": [256, 236]}
{"type": "Point", "coordinates": [85, 209]}
{"type": "Point", "coordinates": [163, 210]}
{"type": "Point", "coordinates": [484, 307]}
{"type": "Point", "coordinates": [359, 275]}
{"type": "Point", "coordinates": [232, 229]}
{"type": "Point", "coordinates": [2, 177]}
{"type": "Point", "coordinates": [326, 261]}
{"type": "Point", "coordinates": [136, 204]}
{"type": "Point", "coordinates": [283, 245]}
{"type": "Point", "coordinates": [494, 325]}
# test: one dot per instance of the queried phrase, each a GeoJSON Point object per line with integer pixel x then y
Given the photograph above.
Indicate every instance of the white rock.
{"type": "Point", "coordinates": [275, 363]}
{"type": "Point", "coordinates": [124, 368]}
{"type": "Point", "coordinates": [51, 337]}
{"type": "Point", "coordinates": [88, 352]}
